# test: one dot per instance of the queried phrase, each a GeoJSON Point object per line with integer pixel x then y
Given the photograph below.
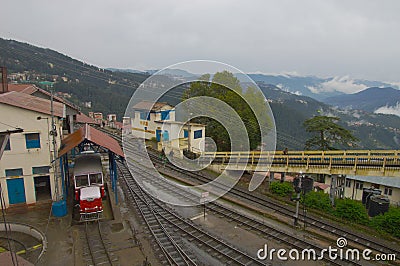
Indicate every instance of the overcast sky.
{"type": "Point", "coordinates": [325, 38]}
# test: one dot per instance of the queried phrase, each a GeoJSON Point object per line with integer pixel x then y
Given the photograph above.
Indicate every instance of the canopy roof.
{"type": "Point", "coordinates": [88, 133]}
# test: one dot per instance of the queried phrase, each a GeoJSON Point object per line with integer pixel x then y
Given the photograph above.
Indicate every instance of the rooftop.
{"type": "Point", "coordinates": [84, 119]}
{"type": "Point", "coordinates": [93, 135]}
{"type": "Point", "coordinates": [33, 103]}
{"type": "Point", "coordinates": [147, 105]}
{"type": "Point", "coordinates": [381, 180]}
{"type": "Point", "coordinates": [31, 89]}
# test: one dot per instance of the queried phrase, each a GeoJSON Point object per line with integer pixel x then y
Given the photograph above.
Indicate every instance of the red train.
{"type": "Point", "coordinates": [89, 185]}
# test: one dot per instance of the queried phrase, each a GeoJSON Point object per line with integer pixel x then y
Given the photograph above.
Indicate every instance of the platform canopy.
{"type": "Point", "coordinates": [88, 134]}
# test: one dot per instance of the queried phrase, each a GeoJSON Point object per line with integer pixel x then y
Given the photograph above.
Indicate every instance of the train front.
{"type": "Point", "coordinates": [90, 202]}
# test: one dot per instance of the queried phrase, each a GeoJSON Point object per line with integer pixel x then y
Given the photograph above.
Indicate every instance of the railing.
{"type": "Point", "coordinates": [356, 162]}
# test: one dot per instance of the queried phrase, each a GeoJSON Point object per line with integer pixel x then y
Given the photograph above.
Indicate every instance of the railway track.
{"type": "Point", "coordinates": [172, 252]}
{"type": "Point", "coordinates": [163, 223]}
{"type": "Point", "coordinates": [287, 211]}
{"type": "Point", "coordinates": [97, 252]}
{"type": "Point", "coordinates": [243, 220]}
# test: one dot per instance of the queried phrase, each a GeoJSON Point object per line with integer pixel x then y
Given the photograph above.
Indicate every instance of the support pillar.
{"type": "Point", "coordinates": [271, 176]}
{"type": "Point", "coordinates": [333, 189]}
{"type": "Point", "coordinates": [115, 180]}
{"type": "Point", "coordinates": [283, 176]}
{"type": "Point", "coordinates": [71, 124]}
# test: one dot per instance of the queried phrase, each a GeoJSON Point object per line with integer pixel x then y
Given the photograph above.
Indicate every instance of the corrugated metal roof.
{"type": "Point", "coordinates": [146, 105]}
{"type": "Point", "coordinates": [91, 134]}
{"type": "Point", "coordinates": [29, 102]}
{"type": "Point", "coordinates": [381, 180]}
{"type": "Point", "coordinates": [31, 88]}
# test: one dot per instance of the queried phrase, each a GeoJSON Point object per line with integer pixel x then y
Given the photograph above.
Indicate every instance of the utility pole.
{"type": "Point", "coordinates": [53, 132]}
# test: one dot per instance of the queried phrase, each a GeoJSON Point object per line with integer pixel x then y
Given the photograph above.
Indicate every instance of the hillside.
{"type": "Point", "coordinates": [368, 100]}
{"type": "Point", "coordinates": [109, 92]}
{"type": "Point", "coordinates": [376, 131]}
{"type": "Point", "coordinates": [106, 90]}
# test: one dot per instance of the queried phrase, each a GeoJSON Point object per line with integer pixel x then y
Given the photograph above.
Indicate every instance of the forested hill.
{"type": "Point", "coordinates": [108, 92]}
{"type": "Point", "coordinates": [375, 131]}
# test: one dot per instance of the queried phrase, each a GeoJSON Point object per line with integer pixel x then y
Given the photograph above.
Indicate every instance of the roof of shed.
{"type": "Point", "coordinates": [93, 135]}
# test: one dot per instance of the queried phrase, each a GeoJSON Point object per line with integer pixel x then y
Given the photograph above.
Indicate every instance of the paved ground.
{"type": "Point", "coordinates": [65, 244]}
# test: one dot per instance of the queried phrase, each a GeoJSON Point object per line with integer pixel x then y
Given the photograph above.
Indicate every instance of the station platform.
{"type": "Point", "coordinates": [65, 238]}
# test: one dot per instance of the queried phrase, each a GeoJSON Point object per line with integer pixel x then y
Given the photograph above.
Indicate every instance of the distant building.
{"type": "Point", "coordinates": [157, 121]}
{"type": "Point", "coordinates": [126, 126]}
{"type": "Point", "coordinates": [111, 117]}
{"type": "Point", "coordinates": [353, 186]}
{"type": "Point", "coordinates": [98, 117]}
{"type": "Point", "coordinates": [81, 118]}
{"type": "Point", "coordinates": [87, 104]}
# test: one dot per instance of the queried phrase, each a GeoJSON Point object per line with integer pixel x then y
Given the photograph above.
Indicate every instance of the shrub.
{"type": "Point", "coordinates": [389, 222]}
{"type": "Point", "coordinates": [351, 210]}
{"type": "Point", "coordinates": [318, 200]}
{"type": "Point", "coordinates": [281, 189]}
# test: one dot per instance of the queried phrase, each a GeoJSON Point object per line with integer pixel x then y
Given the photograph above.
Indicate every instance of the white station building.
{"type": "Point", "coordinates": [157, 121]}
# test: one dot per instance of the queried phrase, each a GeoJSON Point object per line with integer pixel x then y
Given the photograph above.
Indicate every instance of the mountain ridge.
{"type": "Point", "coordinates": [369, 99]}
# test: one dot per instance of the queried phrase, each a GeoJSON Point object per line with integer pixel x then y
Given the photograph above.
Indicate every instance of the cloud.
{"type": "Point", "coordinates": [393, 110]}
{"type": "Point", "coordinates": [343, 84]}
{"type": "Point", "coordinates": [394, 84]}
{"type": "Point", "coordinates": [321, 38]}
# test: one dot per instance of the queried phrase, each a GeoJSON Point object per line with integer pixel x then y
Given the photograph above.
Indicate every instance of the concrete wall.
{"type": "Point", "coordinates": [21, 157]}
{"type": "Point", "coordinates": [197, 145]}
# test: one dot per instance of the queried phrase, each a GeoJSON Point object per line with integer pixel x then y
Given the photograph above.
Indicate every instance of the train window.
{"type": "Point", "coordinates": [95, 179]}
{"type": "Point", "coordinates": [81, 180]}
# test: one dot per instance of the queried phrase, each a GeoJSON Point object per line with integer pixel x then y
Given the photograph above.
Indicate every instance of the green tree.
{"type": "Point", "coordinates": [327, 133]}
{"type": "Point", "coordinates": [226, 87]}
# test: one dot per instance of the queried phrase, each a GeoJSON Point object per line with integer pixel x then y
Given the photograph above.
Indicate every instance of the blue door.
{"type": "Point", "coordinates": [158, 135]}
{"type": "Point", "coordinates": [16, 190]}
